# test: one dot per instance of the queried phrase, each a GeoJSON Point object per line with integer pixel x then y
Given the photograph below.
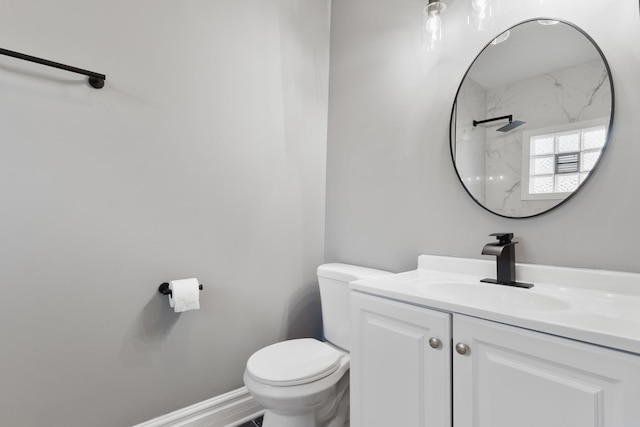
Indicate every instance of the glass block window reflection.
{"type": "Point", "coordinates": [559, 162]}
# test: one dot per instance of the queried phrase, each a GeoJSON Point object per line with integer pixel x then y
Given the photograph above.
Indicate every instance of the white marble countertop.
{"type": "Point", "coordinates": [595, 306]}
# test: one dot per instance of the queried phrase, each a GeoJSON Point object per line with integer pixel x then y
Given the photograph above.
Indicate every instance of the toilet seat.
{"type": "Point", "coordinates": [293, 362]}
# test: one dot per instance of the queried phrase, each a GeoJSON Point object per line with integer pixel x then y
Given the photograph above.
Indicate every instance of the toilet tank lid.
{"type": "Point", "coordinates": [348, 272]}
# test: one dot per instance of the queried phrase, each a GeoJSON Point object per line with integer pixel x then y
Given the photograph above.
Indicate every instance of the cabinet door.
{"type": "Point", "coordinates": [397, 377]}
{"type": "Point", "coordinates": [516, 377]}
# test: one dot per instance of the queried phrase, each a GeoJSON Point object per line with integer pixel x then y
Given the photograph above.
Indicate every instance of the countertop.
{"type": "Point", "coordinates": [595, 306]}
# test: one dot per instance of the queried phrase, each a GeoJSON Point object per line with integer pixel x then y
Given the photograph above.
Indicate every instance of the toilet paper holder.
{"type": "Point", "coordinates": [164, 289]}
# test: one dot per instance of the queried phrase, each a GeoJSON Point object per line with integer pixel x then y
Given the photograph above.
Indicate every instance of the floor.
{"type": "Point", "coordinates": [258, 423]}
{"type": "Point", "coordinates": [254, 423]}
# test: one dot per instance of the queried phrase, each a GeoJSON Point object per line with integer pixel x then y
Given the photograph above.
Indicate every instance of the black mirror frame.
{"type": "Point", "coordinates": [608, 137]}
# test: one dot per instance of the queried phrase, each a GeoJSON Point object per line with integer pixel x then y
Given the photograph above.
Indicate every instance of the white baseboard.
{"type": "Point", "coordinates": [227, 410]}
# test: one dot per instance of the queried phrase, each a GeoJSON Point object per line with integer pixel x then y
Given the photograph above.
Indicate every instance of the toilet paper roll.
{"type": "Point", "coordinates": [185, 294]}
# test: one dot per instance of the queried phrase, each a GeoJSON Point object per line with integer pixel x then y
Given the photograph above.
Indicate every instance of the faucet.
{"type": "Point", "coordinates": [505, 252]}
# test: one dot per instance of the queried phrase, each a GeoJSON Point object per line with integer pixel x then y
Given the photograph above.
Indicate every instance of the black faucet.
{"type": "Point", "coordinates": [505, 252]}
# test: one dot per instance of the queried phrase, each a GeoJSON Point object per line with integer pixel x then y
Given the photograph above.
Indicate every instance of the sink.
{"type": "Point", "coordinates": [490, 295]}
{"type": "Point", "coordinates": [540, 302]}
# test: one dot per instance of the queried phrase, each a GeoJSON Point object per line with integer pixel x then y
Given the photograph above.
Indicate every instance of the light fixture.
{"type": "Point", "coordinates": [501, 38]}
{"type": "Point", "coordinates": [547, 21]}
{"type": "Point", "coordinates": [483, 13]}
{"type": "Point", "coordinates": [432, 25]}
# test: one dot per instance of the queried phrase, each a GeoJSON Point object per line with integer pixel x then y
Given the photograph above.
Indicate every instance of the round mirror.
{"type": "Point", "coordinates": [532, 118]}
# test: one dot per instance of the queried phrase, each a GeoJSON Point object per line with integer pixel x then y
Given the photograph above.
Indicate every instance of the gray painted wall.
{"type": "Point", "coordinates": [204, 155]}
{"type": "Point", "coordinates": [392, 193]}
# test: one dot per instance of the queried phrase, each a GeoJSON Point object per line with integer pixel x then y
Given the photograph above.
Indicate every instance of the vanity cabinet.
{"type": "Point", "coordinates": [482, 374]}
{"type": "Point", "coordinates": [400, 364]}
{"type": "Point", "coordinates": [511, 376]}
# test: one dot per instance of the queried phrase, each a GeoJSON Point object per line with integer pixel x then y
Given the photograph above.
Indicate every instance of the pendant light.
{"type": "Point", "coordinates": [432, 25]}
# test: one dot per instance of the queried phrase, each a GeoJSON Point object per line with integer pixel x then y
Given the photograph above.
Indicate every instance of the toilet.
{"type": "Point", "coordinates": [305, 382]}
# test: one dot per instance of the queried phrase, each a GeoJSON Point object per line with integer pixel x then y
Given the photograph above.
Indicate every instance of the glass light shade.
{"type": "Point", "coordinates": [432, 26]}
{"type": "Point", "coordinates": [501, 38]}
{"type": "Point", "coordinates": [480, 5]}
{"type": "Point", "coordinates": [482, 14]}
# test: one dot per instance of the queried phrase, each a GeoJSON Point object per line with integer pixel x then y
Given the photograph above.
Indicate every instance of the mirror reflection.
{"type": "Point", "coordinates": [531, 118]}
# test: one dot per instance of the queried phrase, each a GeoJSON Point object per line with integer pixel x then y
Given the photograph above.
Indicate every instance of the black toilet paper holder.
{"type": "Point", "coordinates": [164, 289]}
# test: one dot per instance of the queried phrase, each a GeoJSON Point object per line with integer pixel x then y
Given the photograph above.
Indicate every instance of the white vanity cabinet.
{"type": "Point", "coordinates": [400, 364]}
{"type": "Point", "coordinates": [511, 376]}
{"type": "Point", "coordinates": [503, 376]}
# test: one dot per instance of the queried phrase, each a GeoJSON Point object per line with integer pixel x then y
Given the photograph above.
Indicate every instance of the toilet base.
{"type": "Point", "coordinates": [302, 420]}
{"type": "Point", "coordinates": [270, 419]}
{"type": "Point", "coordinates": [333, 414]}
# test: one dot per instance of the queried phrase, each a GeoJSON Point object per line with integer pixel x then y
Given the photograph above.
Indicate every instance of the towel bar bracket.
{"type": "Point", "coordinates": [96, 82]}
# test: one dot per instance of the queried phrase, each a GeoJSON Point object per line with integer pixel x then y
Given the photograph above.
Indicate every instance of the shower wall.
{"type": "Point", "coordinates": [470, 140]}
{"type": "Point", "coordinates": [569, 95]}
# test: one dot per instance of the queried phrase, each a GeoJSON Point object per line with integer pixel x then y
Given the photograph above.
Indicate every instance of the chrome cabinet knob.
{"type": "Point", "coordinates": [434, 342]}
{"type": "Point", "coordinates": [462, 348]}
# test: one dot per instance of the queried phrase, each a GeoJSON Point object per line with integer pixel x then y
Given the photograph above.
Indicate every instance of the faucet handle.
{"type": "Point", "coordinates": [504, 238]}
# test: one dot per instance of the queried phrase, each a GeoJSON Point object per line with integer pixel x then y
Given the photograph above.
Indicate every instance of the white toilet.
{"type": "Point", "coordinates": [305, 382]}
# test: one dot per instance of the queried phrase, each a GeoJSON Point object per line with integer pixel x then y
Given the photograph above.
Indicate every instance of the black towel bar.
{"type": "Point", "coordinates": [96, 80]}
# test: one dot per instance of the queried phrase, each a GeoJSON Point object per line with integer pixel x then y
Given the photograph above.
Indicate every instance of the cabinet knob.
{"type": "Point", "coordinates": [462, 348]}
{"type": "Point", "coordinates": [434, 342]}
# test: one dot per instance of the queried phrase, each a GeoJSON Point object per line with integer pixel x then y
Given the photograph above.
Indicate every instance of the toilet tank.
{"type": "Point", "coordinates": [334, 281]}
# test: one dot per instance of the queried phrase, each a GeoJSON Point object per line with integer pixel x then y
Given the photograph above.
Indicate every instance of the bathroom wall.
{"type": "Point", "coordinates": [203, 156]}
{"type": "Point", "coordinates": [392, 192]}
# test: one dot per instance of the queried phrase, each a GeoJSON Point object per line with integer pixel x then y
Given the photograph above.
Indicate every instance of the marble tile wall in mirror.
{"type": "Point", "coordinates": [552, 77]}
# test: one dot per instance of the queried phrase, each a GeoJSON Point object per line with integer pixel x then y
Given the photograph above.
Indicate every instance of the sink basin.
{"type": "Point", "coordinates": [498, 296]}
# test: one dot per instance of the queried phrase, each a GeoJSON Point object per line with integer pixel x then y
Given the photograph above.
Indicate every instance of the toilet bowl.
{"type": "Point", "coordinates": [305, 382]}
{"type": "Point", "coordinates": [301, 383]}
